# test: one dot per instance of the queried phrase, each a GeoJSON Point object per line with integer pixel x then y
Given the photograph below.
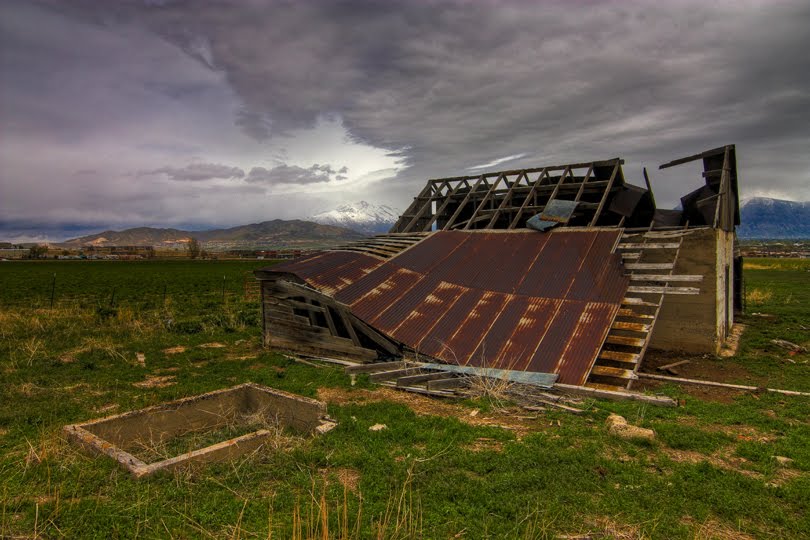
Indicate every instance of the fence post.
{"type": "Point", "coordinates": [164, 294]}
{"type": "Point", "coordinates": [53, 289]}
{"type": "Point", "coordinates": [223, 289]}
{"type": "Point", "coordinates": [112, 298]}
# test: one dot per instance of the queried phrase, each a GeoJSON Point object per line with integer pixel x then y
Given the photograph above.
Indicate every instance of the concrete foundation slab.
{"type": "Point", "coordinates": [116, 435]}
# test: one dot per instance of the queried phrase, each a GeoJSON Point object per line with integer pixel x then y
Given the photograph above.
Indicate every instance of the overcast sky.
{"type": "Point", "coordinates": [119, 113]}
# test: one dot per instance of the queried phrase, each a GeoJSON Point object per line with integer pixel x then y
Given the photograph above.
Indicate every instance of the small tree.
{"type": "Point", "coordinates": [37, 252]}
{"type": "Point", "coordinates": [193, 248]}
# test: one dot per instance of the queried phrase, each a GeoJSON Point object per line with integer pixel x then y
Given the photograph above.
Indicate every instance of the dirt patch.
{"type": "Point", "coordinates": [712, 529]}
{"type": "Point", "coordinates": [485, 444]}
{"type": "Point", "coordinates": [512, 419]}
{"type": "Point", "coordinates": [348, 478]}
{"type": "Point", "coordinates": [740, 433]}
{"type": "Point", "coordinates": [155, 381]}
{"type": "Point", "coordinates": [703, 393]}
{"type": "Point", "coordinates": [3, 432]}
{"type": "Point", "coordinates": [606, 527]}
{"type": "Point", "coordinates": [784, 476]}
{"type": "Point", "coordinates": [174, 350]}
{"type": "Point", "coordinates": [214, 345]}
{"type": "Point", "coordinates": [722, 459]}
{"type": "Point", "coordinates": [705, 367]}
{"type": "Point", "coordinates": [237, 358]}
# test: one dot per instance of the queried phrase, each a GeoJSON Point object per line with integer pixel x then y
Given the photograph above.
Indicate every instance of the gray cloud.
{"type": "Point", "coordinates": [292, 174]}
{"type": "Point", "coordinates": [460, 83]}
{"type": "Point", "coordinates": [196, 172]}
{"type": "Point", "coordinates": [445, 85]}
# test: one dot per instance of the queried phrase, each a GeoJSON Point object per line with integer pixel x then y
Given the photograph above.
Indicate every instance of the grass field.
{"type": "Point", "coordinates": [439, 469]}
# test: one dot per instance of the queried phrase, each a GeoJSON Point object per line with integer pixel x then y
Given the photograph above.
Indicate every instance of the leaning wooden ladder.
{"type": "Point", "coordinates": [630, 334]}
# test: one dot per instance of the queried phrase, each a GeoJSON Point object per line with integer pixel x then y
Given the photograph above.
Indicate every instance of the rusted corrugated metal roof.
{"type": "Point", "coordinates": [508, 300]}
{"type": "Point", "coordinates": [330, 271]}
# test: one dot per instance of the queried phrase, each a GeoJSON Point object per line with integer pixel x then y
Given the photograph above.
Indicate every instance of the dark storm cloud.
{"type": "Point", "coordinates": [452, 84]}
{"type": "Point", "coordinates": [196, 172]}
{"type": "Point", "coordinates": [445, 86]}
{"type": "Point", "coordinates": [291, 174]}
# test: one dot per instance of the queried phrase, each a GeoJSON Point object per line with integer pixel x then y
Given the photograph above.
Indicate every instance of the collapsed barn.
{"type": "Point", "coordinates": [567, 272]}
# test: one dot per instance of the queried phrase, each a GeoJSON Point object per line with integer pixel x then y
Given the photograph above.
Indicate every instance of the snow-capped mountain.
{"type": "Point", "coordinates": [764, 218]}
{"type": "Point", "coordinates": [361, 216]}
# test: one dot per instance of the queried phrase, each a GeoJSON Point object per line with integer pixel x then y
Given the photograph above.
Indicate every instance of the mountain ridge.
{"type": "Point", "coordinates": [272, 232]}
{"type": "Point", "coordinates": [764, 218]}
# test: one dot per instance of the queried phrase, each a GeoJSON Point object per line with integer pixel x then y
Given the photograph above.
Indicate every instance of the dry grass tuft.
{"type": "Point", "coordinates": [712, 529]}
{"type": "Point", "coordinates": [758, 296]}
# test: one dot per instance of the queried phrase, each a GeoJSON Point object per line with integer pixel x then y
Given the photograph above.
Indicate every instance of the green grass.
{"type": "Point", "coordinates": [710, 470]}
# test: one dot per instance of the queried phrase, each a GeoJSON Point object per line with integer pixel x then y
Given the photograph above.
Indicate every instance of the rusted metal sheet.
{"type": "Point", "coordinates": [330, 271]}
{"type": "Point", "coordinates": [507, 300]}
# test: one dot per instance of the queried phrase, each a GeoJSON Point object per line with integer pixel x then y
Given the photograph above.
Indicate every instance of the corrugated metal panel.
{"type": "Point", "coordinates": [517, 300]}
{"type": "Point", "coordinates": [592, 328]}
{"type": "Point", "coordinates": [330, 271]}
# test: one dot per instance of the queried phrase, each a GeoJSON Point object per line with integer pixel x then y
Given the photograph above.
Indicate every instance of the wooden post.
{"type": "Point", "coordinates": [53, 289]}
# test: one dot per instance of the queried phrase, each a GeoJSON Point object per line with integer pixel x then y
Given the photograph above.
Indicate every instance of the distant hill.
{"type": "Point", "coordinates": [763, 218]}
{"type": "Point", "coordinates": [273, 233]}
{"type": "Point", "coordinates": [360, 216]}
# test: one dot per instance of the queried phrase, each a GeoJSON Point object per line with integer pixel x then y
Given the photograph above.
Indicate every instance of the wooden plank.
{"type": "Point", "coordinates": [399, 226]}
{"type": "Point", "coordinates": [616, 356]}
{"type": "Point", "coordinates": [440, 210]}
{"type": "Point", "coordinates": [420, 378]}
{"type": "Point", "coordinates": [662, 290]}
{"type": "Point", "coordinates": [425, 207]}
{"type": "Point", "coordinates": [614, 395]}
{"type": "Point", "coordinates": [484, 201]}
{"type": "Point", "coordinates": [463, 204]}
{"type": "Point", "coordinates": [506, 198]}
{"type": "Point", "coordinates": [630, 301]}
{"type": "Point", "coordinates": [666, 277]}
{"type": "Point", "coordinates": [302, 305]}
{"type": "Point", "coordinates": [330, 322]}
{"type": "Point", "coordinates": [681, 161]}
{"type": "Point", "coordinates": [628, 341]}
{"type": "Point", "coordinates": [373, 335]}
{"type": "Point", "coordinates": [631, 256]}
{"type": "Point", "coordinates": [633, 327]}
{"type": "Point", "coordinates": [720, 385]}
{"type": "Point", "coordinates": [619, 373]}
{"type": "Point", "coordinates": [377, 366]}
{"type": "Point", "coordinates": [271, 316]}
{"type": "Point", "coordinates": [661, 245]}
{"type": "Point", "coordinates": [450, 382]}
{"type": "Point", "coordinates": [596, 215]}
{"type": "Point", "coordinates": [378, 376]}
{"type": "Point", "coordinates": [673, 365]}
{"type": "Point", "coordinates": [320, 349]}
{"type": "Point", "coordinates": [347, 323]}
{"type": "Point", "coordinates": [543, 175]}
{"type": "Point", "coordinates": [632, 314]}
{"type": "Point", "coordinates": [650, 266]}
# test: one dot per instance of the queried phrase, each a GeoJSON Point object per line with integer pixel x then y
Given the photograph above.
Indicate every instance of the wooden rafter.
{"type": "Point", "coordinates": [447, 200]}
{"type": "Point", "coordinates": [507, 197]}
{"type": "Point", "coordinates": [484, 201]}
{"type": "Point", "coordinates": [616, 168]}
{"type": "Point", "coordinates": [463, 204]}
{"type": "Point", "coordinates": [535, 185]}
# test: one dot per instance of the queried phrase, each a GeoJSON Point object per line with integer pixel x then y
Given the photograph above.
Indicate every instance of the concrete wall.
{"type": "Point", "coordinates": [700, 323]}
